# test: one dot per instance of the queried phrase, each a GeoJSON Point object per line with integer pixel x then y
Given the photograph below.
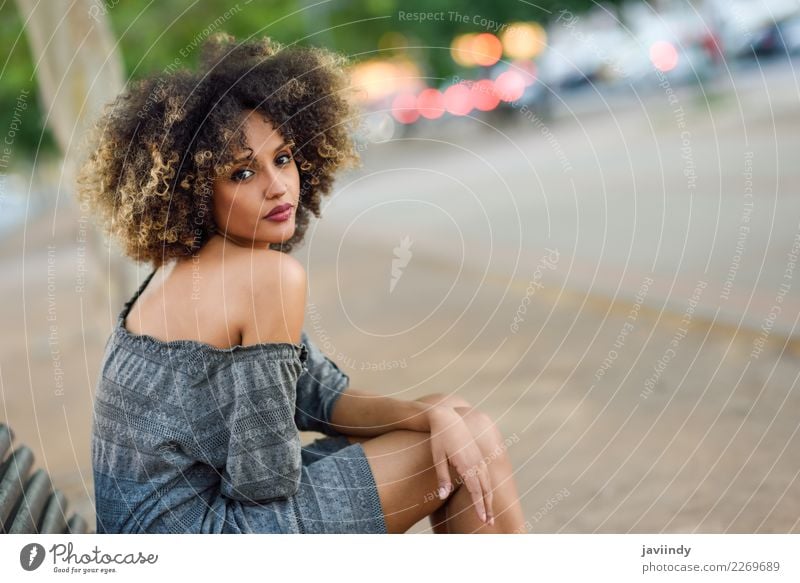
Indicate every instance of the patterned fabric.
{"type": "Point", "coordinates": [188, 437]}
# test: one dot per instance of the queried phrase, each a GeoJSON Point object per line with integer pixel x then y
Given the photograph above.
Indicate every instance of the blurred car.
{"type": "Point", "coordinates": [675, 41]}
{"type": "Point", "coordinates": [790, 34]}
{"type": "Point", "coordinates": [777, 38]}
{"type": "Point", "coordinates": [749, 28]}
{"type": "Point", "coordinates": [583, 50]}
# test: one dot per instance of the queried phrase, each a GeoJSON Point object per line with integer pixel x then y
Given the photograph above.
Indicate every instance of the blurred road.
{"type": "Point", "coordinates": [681, 187]}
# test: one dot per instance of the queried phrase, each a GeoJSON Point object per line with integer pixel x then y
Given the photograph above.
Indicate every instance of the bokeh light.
{"type": "Point", "coordinates": [524, 40]}
{"type": "Point", "coordinates": [430, 103]}
{"type": "Point", "coordinates": [486, 49]}
{"type": "Point", "coordinates": [484, 95]}
{"type": "Point", "coordinates": [664, 56]}
{"type": "Point", "coordinates": [510, 86]}
{"type": "Point", "coordinates": [404, 108]}
{"type": "Point", "coordinates": [461, 50]}
{"type": "Point", "coordinates": [470, 50]}
{"type": "Point", "coordinates": [377, 79]}
{"type": "Point", "coordinates": [458, 99]}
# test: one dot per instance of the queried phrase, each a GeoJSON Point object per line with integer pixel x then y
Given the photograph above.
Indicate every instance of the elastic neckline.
{"type": "Point", "coordinates": [195, 352]}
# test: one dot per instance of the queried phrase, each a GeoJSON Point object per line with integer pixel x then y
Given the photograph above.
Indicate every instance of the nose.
{"type": "Point", "coordinates": [274, 187]}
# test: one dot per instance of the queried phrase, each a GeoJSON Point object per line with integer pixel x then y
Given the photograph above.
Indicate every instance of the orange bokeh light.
{"type": "Point", "coordinates": [470, 50]}
{"type": "Point", "coordinates": [461, 50]}
{"type": "Point", "coordinates": [486, 49]}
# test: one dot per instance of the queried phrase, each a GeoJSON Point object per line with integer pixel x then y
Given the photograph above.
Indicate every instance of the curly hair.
{"type": "Point", "coordinates": [155, 151]}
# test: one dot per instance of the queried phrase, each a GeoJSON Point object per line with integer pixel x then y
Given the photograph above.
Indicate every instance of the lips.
{"type": "Point", "coordinates": [279, 209]}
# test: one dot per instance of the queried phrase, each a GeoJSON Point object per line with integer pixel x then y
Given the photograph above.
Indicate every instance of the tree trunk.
{"type": "Point", "coordinates": [78, 70]}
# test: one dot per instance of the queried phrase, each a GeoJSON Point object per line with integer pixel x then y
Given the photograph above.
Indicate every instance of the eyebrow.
{"type": "Point", "coordinates": [250, 157]}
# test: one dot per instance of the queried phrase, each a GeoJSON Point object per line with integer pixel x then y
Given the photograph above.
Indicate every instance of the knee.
{"type": "Point", "coordinates": [445, 399]}
{"type": "Point", "coordinates": [486, 433]}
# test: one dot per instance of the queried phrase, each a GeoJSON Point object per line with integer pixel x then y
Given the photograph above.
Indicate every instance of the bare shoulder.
{"type": "Point", "coordinates": [266, 290]}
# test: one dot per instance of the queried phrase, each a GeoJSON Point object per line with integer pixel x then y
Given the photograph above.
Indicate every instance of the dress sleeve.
{"type": "Point", "coordinates": [263, 454]}
{"type": "Point", "coordinates": [318, 389]}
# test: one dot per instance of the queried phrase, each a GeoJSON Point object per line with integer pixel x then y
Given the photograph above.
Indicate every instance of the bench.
{"type": "Point", "coordinates": [28, 502]}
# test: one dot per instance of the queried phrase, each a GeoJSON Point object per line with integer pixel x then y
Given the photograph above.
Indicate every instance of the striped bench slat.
{"type": "Point", "coordinates": [28, 502]}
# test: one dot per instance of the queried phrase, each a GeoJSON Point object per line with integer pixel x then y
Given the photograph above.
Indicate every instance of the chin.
{"type": "Point", "coordinates": [280, 233]}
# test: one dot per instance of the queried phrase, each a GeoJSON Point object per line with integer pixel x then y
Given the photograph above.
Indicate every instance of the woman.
{"type": "Point", "coordinates": [208, 377]}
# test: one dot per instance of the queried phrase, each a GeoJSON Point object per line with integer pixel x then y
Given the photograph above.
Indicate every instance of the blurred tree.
{"type": "Point", "coordinates": [155, 35]}
{"type": "Point", "coordinates": [17, 78]}
{"type": "Point", "coordinates": [78, 69]}
{"type": "Point", "coordinates": [358, 26]}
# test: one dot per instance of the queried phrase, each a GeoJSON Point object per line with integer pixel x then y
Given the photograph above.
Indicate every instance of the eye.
{"type": "Point", "coordinates": [288, 158]}
{"type": "Point", "coordinates": [237, 176]}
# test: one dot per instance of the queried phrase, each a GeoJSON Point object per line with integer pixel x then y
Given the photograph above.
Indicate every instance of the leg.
{"type": "Point", "coordinates": [460, 512]}
{"type": "Point", "coordinates": [438, 518]}
{"type": "Point", "coordinates": [492, 444]}
{"type": "Point", "coordinates": [402, 464]}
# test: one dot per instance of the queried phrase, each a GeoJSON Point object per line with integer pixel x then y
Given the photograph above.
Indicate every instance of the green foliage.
{"type": "Point", "coordinates": [156, 35]}
{"type": "Point", "coordinates": [22, 132]}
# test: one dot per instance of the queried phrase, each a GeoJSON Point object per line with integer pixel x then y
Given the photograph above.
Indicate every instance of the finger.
{"type": "Point", "coordinates": [442, 474]}
{"type": "Point", "coordinates": [474, 486]}
{"type": "Point", "coordinates": [486, 484]}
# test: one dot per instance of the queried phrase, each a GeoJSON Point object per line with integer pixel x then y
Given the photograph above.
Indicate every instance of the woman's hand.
{"type": "Point", "coordinates": [452, 441]}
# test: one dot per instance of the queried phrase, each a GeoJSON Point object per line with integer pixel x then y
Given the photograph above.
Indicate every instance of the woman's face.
{"type": "Point", "coordinates": [263, 180]}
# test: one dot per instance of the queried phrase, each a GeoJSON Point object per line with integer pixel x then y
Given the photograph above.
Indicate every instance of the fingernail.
{"type": "Point", "coordinates": [483, 516]}
{"type": "Point", "coordinates": [491, 520]}
{"type": "Point", "coordinates": [442, 492]}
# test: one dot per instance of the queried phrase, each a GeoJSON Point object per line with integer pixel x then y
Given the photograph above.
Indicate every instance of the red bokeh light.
{"type": "Point", "coordinates": [404, 108]}
{"type": "Point", "coordinates": [664, 56]}
{"type": "Point", "coordinates": [484, 95]}
{"type": "Point", "coordinates": [510, 85]}
{"type": "Point", "coordinates": [458, 99]}
{"type": "Point", "coordinates": [430, 103]}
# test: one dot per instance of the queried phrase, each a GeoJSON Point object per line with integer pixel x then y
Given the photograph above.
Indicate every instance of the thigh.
{"type": "Point", "coordinates": [402, 466]}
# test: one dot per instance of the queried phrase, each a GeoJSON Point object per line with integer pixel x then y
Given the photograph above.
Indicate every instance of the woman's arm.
{"type": "Point", "coordinates": [362, 413]}
{"type": "Point", "coordinates": [325, 388]}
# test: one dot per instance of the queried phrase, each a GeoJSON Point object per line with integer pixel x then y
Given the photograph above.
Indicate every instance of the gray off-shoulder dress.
{"type": "Point", "coordinates": [191, 438]}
